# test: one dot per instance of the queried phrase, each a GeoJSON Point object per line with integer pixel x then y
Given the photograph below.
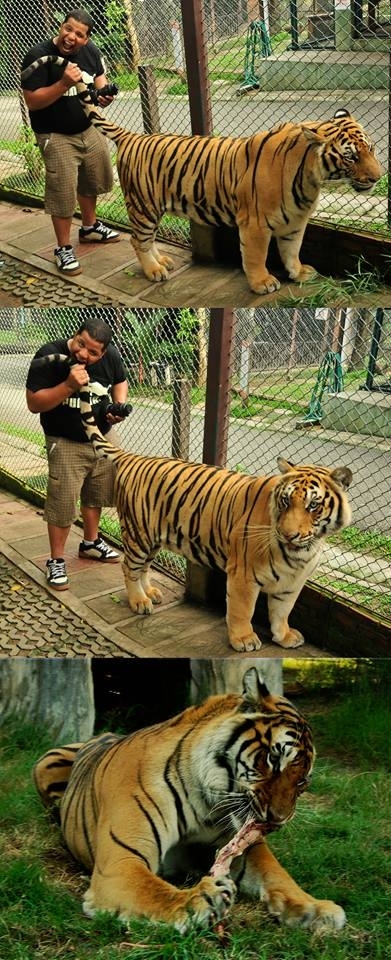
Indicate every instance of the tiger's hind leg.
{"type": "Point", "coordinates": [264, 877]}
{"type": "Point", "coordinates": [142, 595]}
{"type": "Point", "coordinates": [155, 265]}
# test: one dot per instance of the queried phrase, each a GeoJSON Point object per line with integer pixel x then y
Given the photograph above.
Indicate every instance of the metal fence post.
{"type": "Point", "coordinates": [194, 36]}
{"type": "Point", "coordinates": [181, 418]}
{"type": "Point", "coordinates": [202, 583]}
{"type": "Point", "coordinates": [149, 99]}
{"type": "Point", "coordinates": [218, 386]}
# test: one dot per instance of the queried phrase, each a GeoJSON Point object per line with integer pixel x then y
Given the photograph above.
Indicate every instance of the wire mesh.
{"type": "Point", "coordinates": [284, 399]}
{"type": "Point", "coordinates": [267, 62]}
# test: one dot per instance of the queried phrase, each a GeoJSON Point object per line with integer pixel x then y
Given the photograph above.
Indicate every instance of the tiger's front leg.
{"type": "Point", "coordinates": [241, 599]}
{"type": "Point", "coordinates": [279, 609]}
{"type": "Point", "coordinates": [254, 245]}
{"type": "Point", "coordinates": [129, 889]}
{"type": "Point", "coordinates": [265, 877]}
{"type": "Point", "coordinates": [289, 249]}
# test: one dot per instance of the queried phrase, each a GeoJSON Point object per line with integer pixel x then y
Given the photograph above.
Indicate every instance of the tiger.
{"type": "Point", "coordinates": [266, 533]}
{"type": "Point", "coordinates": [140, 810]}
{"type": "Point", "coordinates": [267, 185]}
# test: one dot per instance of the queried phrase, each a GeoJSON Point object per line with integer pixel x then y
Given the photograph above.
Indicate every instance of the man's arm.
{"type": "Point", "coordinates": [45, 96]}
{"type": "Point", "coordinates": [50, 397]}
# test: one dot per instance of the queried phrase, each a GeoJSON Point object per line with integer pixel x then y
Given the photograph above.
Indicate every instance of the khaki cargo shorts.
{"type": "Point", "coordinates": [77, 164]}
{"type": "Point", "coordinates": [75, 472]}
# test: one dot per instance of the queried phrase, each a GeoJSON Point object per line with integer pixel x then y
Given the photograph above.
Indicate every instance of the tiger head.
{"type": "Point", "coordinates": [308, 504]}
{"type": "Point", "coordinates": [346, 151]}
{"type": "Point", "coordinates": [269, 756]}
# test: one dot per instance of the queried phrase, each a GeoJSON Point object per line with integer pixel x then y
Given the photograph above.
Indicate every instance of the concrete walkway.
{"type": "Point", "coordinates": [92, 618]}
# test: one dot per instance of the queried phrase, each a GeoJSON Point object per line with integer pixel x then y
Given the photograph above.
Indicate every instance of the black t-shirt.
{"type": "Point", "coordinates": [65, 420]}
{"type": "Point", "coordinates": [66, 115]}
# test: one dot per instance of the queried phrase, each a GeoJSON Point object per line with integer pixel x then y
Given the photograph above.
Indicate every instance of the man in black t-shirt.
{"type": "Point", "coordinates": [52, 390]}
{"type": "Point", "coordinates": [76, 156]}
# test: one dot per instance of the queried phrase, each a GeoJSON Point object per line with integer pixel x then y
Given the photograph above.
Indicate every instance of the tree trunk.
{"type": "Point", "coordinates": [202, 348]}
{"type": "Point", "coordinates": [132, 36]}
{"type": "Point", "coordinates": [226, 675]}
{"type": "Point", "coordinates": [55, 693]}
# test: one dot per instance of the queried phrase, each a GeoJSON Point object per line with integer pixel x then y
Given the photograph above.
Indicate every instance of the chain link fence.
{"type": "Point", "coordinates": [262, 62]}
{"type": "Point", "coordinates": [313, 386]}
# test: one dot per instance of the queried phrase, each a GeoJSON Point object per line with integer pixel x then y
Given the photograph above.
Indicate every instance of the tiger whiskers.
{"type": "Point", "coordinates": [237, 805]}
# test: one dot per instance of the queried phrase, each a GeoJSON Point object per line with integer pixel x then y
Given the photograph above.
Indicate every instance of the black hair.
{"type": "Point", "coordinates": [81, 16]}
{"type": "Point", "coordinates": [97, 330]}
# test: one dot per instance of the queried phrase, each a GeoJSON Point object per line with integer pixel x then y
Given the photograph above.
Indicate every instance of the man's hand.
{"type": "Point", "coordinates": [77, 377]}
{"type": "Point", "coordinates": [72, 75]}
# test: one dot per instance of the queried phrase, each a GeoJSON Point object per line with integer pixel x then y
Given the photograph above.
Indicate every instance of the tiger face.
{"type": "Point", "coordinates": [347, 152]}
{"type": "Point", "coordinates": [274, 765]}
{"type": "Point", "coordinates": [307, 505]}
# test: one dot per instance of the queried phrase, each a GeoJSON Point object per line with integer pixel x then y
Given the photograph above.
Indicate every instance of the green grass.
{"type": "Point", "coordinates": [326, 290]}
{"type": "Point", "coordinates": [33, 436]}
{"type": "Point", "coordinates": [338, 847]}
{"type": "Point", "coordinates": [376, 544]}
{"type": "Point", "coordinates": [361, 596]}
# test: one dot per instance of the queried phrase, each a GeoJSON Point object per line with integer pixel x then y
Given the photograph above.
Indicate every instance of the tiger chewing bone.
{"type": "Point", "coordinates": [134, 807]}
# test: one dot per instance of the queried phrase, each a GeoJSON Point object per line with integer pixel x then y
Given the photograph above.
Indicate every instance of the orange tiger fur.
{"type": "Point", "coordinates": [137, 810]}
{"type": "Point", "coordinates": [267, 184]}
{"type": "Point", "coordinates": [267, 533]}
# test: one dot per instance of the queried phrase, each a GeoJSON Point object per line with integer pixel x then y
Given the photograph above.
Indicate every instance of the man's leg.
{"type": "Point", "coordinates": [62, 228]}
{"type": "Point", "coordinates": [56, 574]}
{"type": "Point", "coordinates": [91, 518]}
{"type": "Point", "coordinates": [93, 230]}
{"type": "Point", "coordinates": [88, 210]}
{"type": "Point", "coordinates": [57, 539]}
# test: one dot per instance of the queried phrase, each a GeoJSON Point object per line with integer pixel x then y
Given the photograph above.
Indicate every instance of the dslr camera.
{"type": "Point", "coordinates": [118, 409]}
{"type": "Point", "coordinates": [110, 90]}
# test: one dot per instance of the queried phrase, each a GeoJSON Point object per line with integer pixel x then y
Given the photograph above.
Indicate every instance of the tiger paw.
{"type": "Point", "coordinates": [293, 638]}
{"type": "Point", "coordinates": [142, 605]}
{"type": "Point", "coordinates": [320, 915]}
{"type": "Point", "coordinates": [245, 644]}
{"type": "Point", "coordinates": [264, 284]}
{"type": "Point", "coordinates": [155, 265]}
{"type": "Point", "coordinates": [304, 273]}
{"type": "Point", "coordinates": [207, 904]}
{"type": "Point", "coordinates": [165, 261]}
{"type": "Point", "coordinates": [154, 594]}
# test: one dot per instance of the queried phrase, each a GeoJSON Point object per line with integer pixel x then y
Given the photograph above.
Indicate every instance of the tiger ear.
{"type": "Point", "coordinates": [313, 137]}
{"type": "Point", "coordinates": [342, 476]}
{"type": "Point", "coordinates": [341, 113]}
{"type": "Point", "coordinates": [254, 688]}
{"type": "Point", "coordinates": [284, 466]}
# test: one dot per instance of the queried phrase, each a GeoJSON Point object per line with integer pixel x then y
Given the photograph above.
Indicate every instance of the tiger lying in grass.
{"type": "Point", "coordinates": [136, 809]}
{"type": "Point", "coordinates": [267, 533]}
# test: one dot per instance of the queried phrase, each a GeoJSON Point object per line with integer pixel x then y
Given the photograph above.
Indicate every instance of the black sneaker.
{"type": "Point", "coordinates": [56, 574]}
{"type": "Point", "coordinates": [99, 233]}
{"type": "Point", "coordinates": [66, 261]}
{"type": "Point", "coordinates": [98, 550]}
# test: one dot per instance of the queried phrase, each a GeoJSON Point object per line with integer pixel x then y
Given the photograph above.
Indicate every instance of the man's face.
{"type": "Point", "coordinates": [71, 36]}
{"type": "Point", "coordinates": [84, 349]}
